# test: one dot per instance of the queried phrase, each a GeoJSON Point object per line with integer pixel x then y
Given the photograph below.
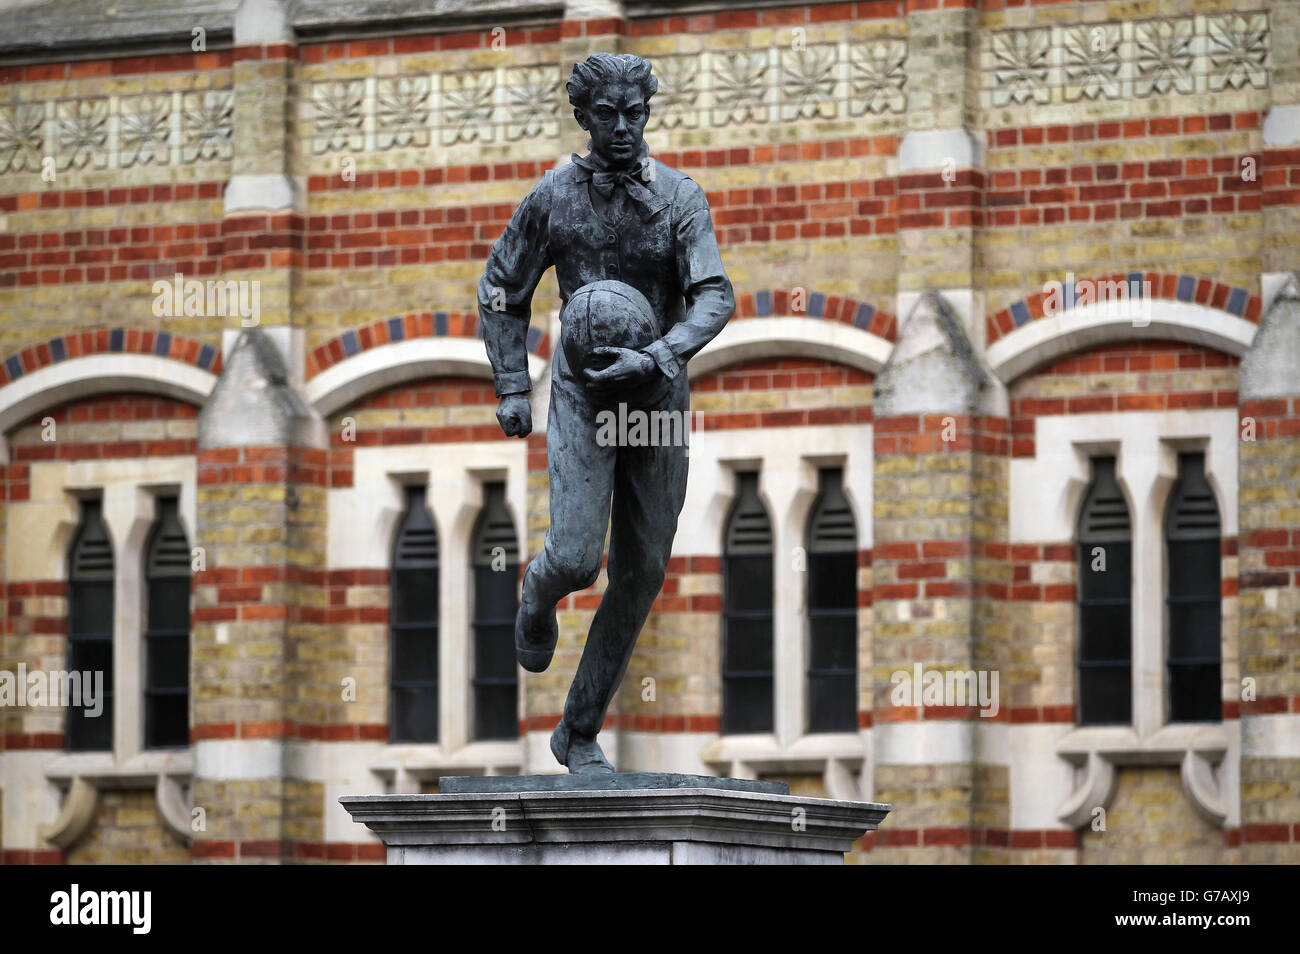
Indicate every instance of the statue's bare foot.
{"type": "Point", "coordinates": [536, 633]}
{"type": "Point", "coordinates": [581, 754]}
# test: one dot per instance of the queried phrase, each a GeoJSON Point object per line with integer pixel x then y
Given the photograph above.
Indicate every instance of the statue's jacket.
{"type": "Point", "coordinates": [665, 249]}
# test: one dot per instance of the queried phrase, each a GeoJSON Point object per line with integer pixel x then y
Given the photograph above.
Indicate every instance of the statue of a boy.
{"type": "Point", "coordinates": [614, 214]}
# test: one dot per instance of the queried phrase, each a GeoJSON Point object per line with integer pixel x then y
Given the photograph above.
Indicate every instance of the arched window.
{"type": "Point", "coordinates": [413, 622]}
{"type": "Point", "coordinates": [496, 600]}
{"type": "Point", "coordinates": [90, 626]}
{"type": "Point", "coordinates": [1105, 646]}
{"type": "Point", "coordinates": [167, 631]}
{"type": "Point", "coordinates": [832, 609]}
{"type": "Point", "coordinates": [1192, 540]}
{"type": "Point", "coordinates": [747, 682]}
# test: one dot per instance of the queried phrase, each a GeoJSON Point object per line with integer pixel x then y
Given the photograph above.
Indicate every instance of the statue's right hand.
{"type": "Point", "coordinates": [515, 414]}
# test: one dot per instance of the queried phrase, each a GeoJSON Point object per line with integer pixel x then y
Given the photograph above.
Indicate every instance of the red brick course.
{"type": "Point", "coordinates": [785, 375]}
{"type": "Point", "coordinates": [1149, 359]}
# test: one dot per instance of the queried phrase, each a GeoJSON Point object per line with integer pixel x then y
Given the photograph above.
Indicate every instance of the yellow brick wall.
{"type": "Point", "coordinates": [1151, 822]}
{"type": "Point", "coordinates": [127, 831]}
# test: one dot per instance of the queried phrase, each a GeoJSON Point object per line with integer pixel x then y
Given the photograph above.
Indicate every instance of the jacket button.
{"type": "Point", "coordinates": [611, 238]}
{"type": "Point", "coordinates": [611, 269]}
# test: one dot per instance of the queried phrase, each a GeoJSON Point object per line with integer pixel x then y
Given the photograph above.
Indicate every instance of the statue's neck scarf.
{"type": "Point", "coordinates": [606, 176]}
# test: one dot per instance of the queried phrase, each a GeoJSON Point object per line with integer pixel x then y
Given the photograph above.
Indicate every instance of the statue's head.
{"type": "Point", "coordinates": [611, 100]}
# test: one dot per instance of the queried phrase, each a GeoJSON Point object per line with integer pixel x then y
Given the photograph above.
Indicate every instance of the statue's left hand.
{"type": "Point", "coordinates": [627, 369]}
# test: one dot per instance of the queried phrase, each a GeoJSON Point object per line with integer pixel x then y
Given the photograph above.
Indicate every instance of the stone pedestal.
{"type": "Point", "coordinates": [632, 818]}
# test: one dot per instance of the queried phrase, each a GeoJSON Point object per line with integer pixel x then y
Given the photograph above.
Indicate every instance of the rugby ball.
{"type": "Point", "coordinates": [609, 314]}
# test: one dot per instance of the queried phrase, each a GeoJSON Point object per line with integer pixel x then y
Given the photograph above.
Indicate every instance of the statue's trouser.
{"type": "Point", "coordinates": [648, 486]}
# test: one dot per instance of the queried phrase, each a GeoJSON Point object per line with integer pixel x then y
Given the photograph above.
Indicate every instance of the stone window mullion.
{"type": "Point", "coordinates": [129, 512]}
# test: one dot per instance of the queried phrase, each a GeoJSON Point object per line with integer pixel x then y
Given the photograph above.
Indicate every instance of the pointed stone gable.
{"type": "Point", "coordinates": [933, 368]}
{"type": "Point", "coordinates": [1271, 368]}
{"type": "Point", "coordinates": [253, 403]}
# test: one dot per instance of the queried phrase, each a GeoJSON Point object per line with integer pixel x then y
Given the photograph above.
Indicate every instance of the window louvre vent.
{"type": "Point", "coordinates": [92, 553]}
{"type": "Point", "coordinates": [417, 540]}
{"type": "Point", "coordinates": [169, 551]}
{"type": "Point", "coordinates": [495, 528]}
{"type": "Point", "coordinates": [1105, 511]}
{"type": "Point", "coordinates": [1193, 512]}
{"type": "Point", "coordinates": [748, 528]}
{"type": "Point", "coordinates": [832, 528]}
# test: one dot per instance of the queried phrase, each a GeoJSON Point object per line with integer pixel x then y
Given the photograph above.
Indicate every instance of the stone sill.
{"type": "Point", "coordinates": [105, 771]}
{"type": "Point", "coordinates": [766, 753]}
{"type": "Point", "coordinates": [426, 762]}
{"type": "Point", "coordinates": [1166, 746]}
{"type": "Point", "coordinates": [840, 758]}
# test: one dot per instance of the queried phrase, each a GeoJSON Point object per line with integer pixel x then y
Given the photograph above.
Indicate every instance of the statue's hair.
{"type": "Point", "coordinates": [602, 68]}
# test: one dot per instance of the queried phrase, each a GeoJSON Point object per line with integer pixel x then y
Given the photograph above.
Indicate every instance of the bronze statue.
{"type": "Point", "coordinates": [611, 219]}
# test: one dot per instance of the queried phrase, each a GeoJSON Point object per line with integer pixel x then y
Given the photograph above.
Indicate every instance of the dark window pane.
{"type": "Point", "coordinates": [1104, 644]}
{"type": "Point", "coordinates": [748, 645]}
{"type": "Point", "coordinates": [414, 714]}
{"type": "Point", "coordinates": [747, 583]}
{"type": "Point", "coordinates": [1105, 696]}
{"type": "Point", "coordinates": [167, 631]}
{"type": "Point", "coordinates": [90, 629]}
{"type": "Point", "coordinates": [747, 705]}
{"type": "Point", "coordinates": [495, 713]}
{"type": "Point", "coordinates": [833, 642]}
{"type": "Point", "coordinates": [495, 568]}
{"type": "Point", "coordinates": [494, 652]}
{"type": "Point", "coordinates": [167, 664]}
{"type": "Point", "coordinates": [167, 720]}
{"type": "Point", "coordinates": [415, 596]}
{"type": "Point", "coordinates": [88, 733]}
{"type": "Point", "coordinates": [832, 703]}
{"type": "Point", "coordinates": [1105, 633]}
{"type": "Point", "coordinates": [833, 673]}
{"type": "Point", "coordinates": [832, 609]}
{"type": "Point", "coordinates": [169, 603]}
{"type": "Point", "coordinates": [92, 608]}
{"type": "Point", "coordinates": [92, 655]}
{"type": "Point", "coordinates": [1194, 693]}
{"type": "Point", "coordinates": [495, 592]}
{"type": "Point", "coordinates": [1194, 630]}
{"type": "Point", "coordinates": [832, 580]}
{"type": "Point", "coordinates": [1112, 577]}
{"type": "Point", "coordinates": [495, 682]}
{"type": "Point", "coordinates": [747, 651]}
{"type": "Point", "coordinates": [747, 675]}
{"type": "Point", "coordinates": [1194, 568]}
{"type": "Point", "coordinates": [415, 654]}
{"type": "Point", "coordinates": [1194, 599]}
{"type": "Point", "coordinates": [413, 621]}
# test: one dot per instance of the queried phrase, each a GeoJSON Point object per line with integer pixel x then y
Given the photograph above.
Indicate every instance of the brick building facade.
{"type": "Point", "coordinates": [917, 202]}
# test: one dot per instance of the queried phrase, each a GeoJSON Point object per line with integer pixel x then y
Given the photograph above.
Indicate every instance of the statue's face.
{"type": "Point", "coordinates": [615, 118]}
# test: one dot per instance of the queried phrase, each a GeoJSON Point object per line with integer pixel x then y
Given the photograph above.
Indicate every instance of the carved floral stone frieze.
{"type": "Point", "coordinates": [1130, 59]}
